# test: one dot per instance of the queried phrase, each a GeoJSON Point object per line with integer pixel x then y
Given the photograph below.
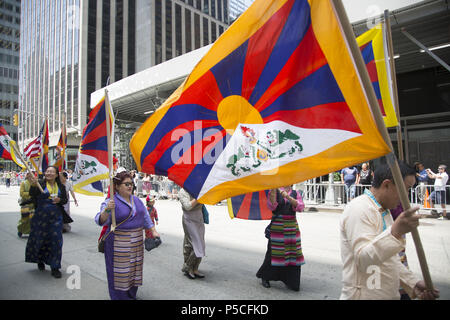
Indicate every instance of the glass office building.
{"type": "Point", "coordinates": [9, 63]}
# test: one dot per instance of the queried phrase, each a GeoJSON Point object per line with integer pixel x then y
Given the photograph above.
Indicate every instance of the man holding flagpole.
{"type": "Point", "coordinates": [371, 241]}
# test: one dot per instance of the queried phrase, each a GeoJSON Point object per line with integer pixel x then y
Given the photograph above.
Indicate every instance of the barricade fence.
{"type": "Point", "coordinates": [338, 194]}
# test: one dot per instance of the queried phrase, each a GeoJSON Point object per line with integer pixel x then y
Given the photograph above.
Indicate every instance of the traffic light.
{"type": "Point", "coordinates": [16, 120]}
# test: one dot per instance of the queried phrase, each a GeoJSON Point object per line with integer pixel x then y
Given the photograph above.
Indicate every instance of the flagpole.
{"type": "Point", "coordinates": [373, 103]}
{"type": "Point", "coordinates": [110, 159]}
{"type": "Point", "coordinates": [64, 135]}
{"type": "Point", "coordinates": [41, 158]}
{"type": "Point", "coordinates": [17, 152]}
{"type": "Point", "coordinates": [393, 84]}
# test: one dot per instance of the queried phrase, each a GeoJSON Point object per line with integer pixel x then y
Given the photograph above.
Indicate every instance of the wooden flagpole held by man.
{"type": "Point", "coordinates": [393, 84]}
{"type": "Point", "coordinates": [110, 158]}
{"type": "Point", "coordinates": [391, 159]}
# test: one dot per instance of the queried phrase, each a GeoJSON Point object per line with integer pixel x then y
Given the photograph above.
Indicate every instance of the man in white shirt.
{"type": "Point", "coordinates": [438, 195]}
{"type": "Point", "coordinates": [371, 241]}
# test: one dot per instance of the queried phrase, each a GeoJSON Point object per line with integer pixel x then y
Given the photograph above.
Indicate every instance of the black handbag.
{"type": "Point", "coordinates": [152, 243]}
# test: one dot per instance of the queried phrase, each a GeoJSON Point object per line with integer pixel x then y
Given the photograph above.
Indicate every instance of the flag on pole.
{"type": "Point", "coordinates": [61, 150]}
{"type": "Point", "coordinates": [275, 101]}
{"type": "Point", "coordinates": [7, 147]}
{"type": "Point", "coordinates": [373, 46]}
{"type": "Point", "coordinates": [38, 148]}
{"type": "Point", "coordinates": [250, 206]}
{"type": "Point", "coordinates": [92, 161]}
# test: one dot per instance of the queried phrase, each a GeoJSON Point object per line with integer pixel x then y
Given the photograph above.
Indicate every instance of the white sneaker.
{"type": "Point", "coordinates": [441, 218]}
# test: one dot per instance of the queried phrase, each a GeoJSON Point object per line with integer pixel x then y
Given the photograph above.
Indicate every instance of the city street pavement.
{"type": "Point", "coordinates": [235, 250]}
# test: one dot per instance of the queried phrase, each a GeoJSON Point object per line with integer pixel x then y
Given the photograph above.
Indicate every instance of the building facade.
{"type": "Point", "coordinates": [9, 63]}
{"type": "Point", "coordinates": [71, 48]}
{"type": "Point", "coordinates": [236, 8]}
{"type": "Point", "coordinates": [166, 29]}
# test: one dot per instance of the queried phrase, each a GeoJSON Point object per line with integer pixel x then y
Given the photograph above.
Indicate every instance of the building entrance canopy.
{"type": "Point", "coordinates": [134, 97]}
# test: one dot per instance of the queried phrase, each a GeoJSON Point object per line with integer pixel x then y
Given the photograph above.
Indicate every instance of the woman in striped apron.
{"type": "Point", "coordinates": [124, 248]}
{"type": "Point", "coordinates": [284, 255]}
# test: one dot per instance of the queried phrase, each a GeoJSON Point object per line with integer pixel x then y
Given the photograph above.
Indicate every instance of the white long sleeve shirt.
{"type": "Point", "coordinates": [372, 269]}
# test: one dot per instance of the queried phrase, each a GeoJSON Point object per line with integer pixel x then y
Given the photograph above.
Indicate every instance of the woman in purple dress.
{"type": "Point", "coordinates": [124, 248]}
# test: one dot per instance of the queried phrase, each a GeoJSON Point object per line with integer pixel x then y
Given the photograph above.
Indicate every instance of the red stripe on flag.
{"type": "Point", "coordinates": [305, 60]}
{"type": "Point", "coordinates": [266, 214]}
{"type": "Point", "coordinates": [244, 210]}
{"type": "Point", "coordinates": [260, 48]}
{"type": "Point", "coordinates": [326, 116]}
{"type": "Point", "coordinates": [204, 92]}
{"type": "Point", "coordinates": [372, 70]}
{"type": "Point", "coordinates": [186, 163]}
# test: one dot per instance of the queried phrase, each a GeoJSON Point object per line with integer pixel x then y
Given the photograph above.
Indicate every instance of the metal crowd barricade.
{"type": "Point", "coordinates": [422, 195]}
{"type": "Point", "coordinates": [327, 193]}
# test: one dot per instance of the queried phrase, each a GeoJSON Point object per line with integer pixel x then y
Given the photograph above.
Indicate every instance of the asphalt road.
{"type": "Point", "coordinates": [235, 249]}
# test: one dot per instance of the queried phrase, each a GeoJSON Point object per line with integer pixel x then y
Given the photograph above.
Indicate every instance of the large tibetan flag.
{"type": "Point", "coordinates": [250, 206]}
{"type": "Point", "coordinates": [275, 101]}
{"type": "Point", "coordinates": [92, 165]}
{"type": "Point", "coordinates": [373, 46]}
{"type": "Point", "coordinates": [7, 147]}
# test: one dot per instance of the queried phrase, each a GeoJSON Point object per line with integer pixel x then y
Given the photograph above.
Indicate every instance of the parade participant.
{"type": "Point", "coordinates": [26, 206]}
{"type": "Point", "coordinates": [124, 247]}
{"type": "Point", "coordinates": [371, 242]}
{"type": "Point", "coordinates": [284, 256]}
{"type": "Point", "coordinates": [194, 235]}
{"type": "Point", "coordinates": [69, 190]}
{"type": "Point", "coordinates": [45, 242]}
{"type": "Point", "coordinates": [153, 214]}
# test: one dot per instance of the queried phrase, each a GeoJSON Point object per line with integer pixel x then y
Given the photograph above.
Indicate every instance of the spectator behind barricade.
{"type": "Point", "coordinates": [438, 196]}
{"type": "Point", "coordinates": [348, 178]}
{"type": "Point", "coordinates": [364, 178]}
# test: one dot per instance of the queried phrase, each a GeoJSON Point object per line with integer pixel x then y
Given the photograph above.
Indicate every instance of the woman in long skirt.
{"type": "Point", "coordinates": [45, 242]}
{"type": "Point", "coordinates": [124, 248]}
{"type": "Point", "coordinates": [284, 256]}
{"type": "Point", "coordinates": [194, 235]}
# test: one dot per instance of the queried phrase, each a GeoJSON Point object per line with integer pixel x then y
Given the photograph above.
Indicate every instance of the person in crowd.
{"type": "Point", "coordinates": [150, 201]}
{"type": "Point", "coordinates": [364, 177]}
{"type": "Point", "coordinates": [194, 235]}
{"type": "Point", "coordinates": [422, 181]}
{"type": "Point", "coordinates": [124, 247]}
{"type": "Point", "coordinates": [371, 242]}
{"type": "Point", "coordinates": [348, 178]}
{"type": "Point", "coordinates": [284, 256]}
{"type": "Point", "coordinates": [26, 206]}
{"type": "Point", "coordinates": [146, 184]}
{"type": "Point", "coordinates": [64, 176]}
{"type": "Point", "coordinates": [439, 193]}
{"type": "Point", "coordinates": [8, 177]}
{"type": "Point", "coordinates": [45, 242]}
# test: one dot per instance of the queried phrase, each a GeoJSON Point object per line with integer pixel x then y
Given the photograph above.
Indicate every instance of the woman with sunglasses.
{"type": "Point", "coordinates": [124, 248]}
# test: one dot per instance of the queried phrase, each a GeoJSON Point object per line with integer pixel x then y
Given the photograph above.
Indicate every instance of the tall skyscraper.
{"type": "Point", "coordinates": [168, 28]}
{"type": "Point", "coordinates": [236, 8]}
{"type": "Point", "coordinates": [9, 63]}
{"type": "Point", "coordinates": [71, 48]}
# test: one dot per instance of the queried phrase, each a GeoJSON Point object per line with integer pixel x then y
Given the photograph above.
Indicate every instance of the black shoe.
{"type": "Point", "coordinates": [265, 283]}
{"type": "Point", "coordinates": [41, 266]}
{"type": "Point", "coordinates": [19, 234]}
{"type": "Point", "coordinates": [56, 273]}
{"type": "Point", "coordinates": [199, 275]}
{"type": "Point", "coordinates": [189, 275]}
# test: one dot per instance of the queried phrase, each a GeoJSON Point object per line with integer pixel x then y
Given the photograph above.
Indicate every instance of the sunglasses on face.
{"type": "Point", "coordinates": [127, 184]}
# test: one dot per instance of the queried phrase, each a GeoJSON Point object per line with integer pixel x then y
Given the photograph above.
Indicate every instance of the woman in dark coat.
{"type": "Point", "coordinates": [45, 242]}
{"type": "Point", "coordinates": [284, 255]}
